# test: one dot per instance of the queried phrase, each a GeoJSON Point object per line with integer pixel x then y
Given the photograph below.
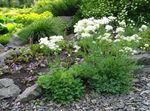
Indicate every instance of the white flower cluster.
{"type": "Point", "coordinates": [128, 50]}
{"type": "Point", "coordinates": [51, 42]}
{"type": "Point", "coordinates": [143, 28]}
{"type": "Point", "coordinates": [88, 27]}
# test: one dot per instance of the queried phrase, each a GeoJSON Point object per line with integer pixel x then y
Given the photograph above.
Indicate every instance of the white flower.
{"type": "Point", "coordinates": [94, 42]}
{"type": "Point", "coordinates": [143, 28]}
{"type": "Point", "coordinates": [146, 45]}
{"type": "Point", "coordinates": [119, 30]}
{"type": "Point", "coordinates": [122, 23]}
{"type": "Point", "coordinates": [84, 35]}
{"type": "Point", "coordinates": [107, 35]}
{"type": "Point", "coordinates": [117, 40]}
{"type": "Point", "coordinates": [90, 28]}
{"type": "Point", "coordinates": [111, 18]}
{"type": "Point", "coordinates": [104, 20]}
{"type": "Point", "coordinates": [51, 42]}
{"type": "Point", "coordinates": [108, 28]}
{"type": "Point", "coordinates": [76, 48]}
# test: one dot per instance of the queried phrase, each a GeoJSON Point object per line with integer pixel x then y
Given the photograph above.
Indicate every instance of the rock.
{"type": "Point", "coordinates": [146, 69]}
{"type": "Point", "coordinates": [14, 41]}
{"type": "Point", "coordinates": [145, 92]}
{"type": "Point", "coordinates": [142, 59]}
{"type": "Point", "coordinates": [119, 105]}
{"type": "Point", "coordinates": [148, 85]}
{"type": "Point", "coordinates": [1, 48]}
{"type": "Point", "coordinates": [146, 102]}
{"type": "Point", "coordinates": [29, 94]}
{"type": "Point", "coordinates": [4, 55]}
{"type": "Point", "coordinates": [8, 88]}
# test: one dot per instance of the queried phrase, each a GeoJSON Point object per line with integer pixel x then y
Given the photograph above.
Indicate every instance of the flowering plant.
{"type": "Point", "coordinates": [105, 30]}
{"type": "Point", "coordinates": [52, 42]}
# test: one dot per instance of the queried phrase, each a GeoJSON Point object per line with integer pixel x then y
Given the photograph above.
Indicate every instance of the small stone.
{"type": "Point", "coordinates": [148, 84]}
{"type": "Point", "coordinates": [30, 93]}
{"type": "Point", "coordinates": [42, 65]}
{"type": "Point", "coordinates": [145, 92]}
{"type": "Point", "coordinates": [94, 101]}
{"type": "Point", "coordinates": [77, 106]}
{"type": "Point", "coordinates": [146, 102]}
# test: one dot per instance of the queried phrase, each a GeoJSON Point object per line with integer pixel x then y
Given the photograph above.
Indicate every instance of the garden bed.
{"type": "Point", "coordinates": [66, 55]}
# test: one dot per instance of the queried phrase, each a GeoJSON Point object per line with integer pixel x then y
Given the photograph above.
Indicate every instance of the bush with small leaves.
{"type": "Point", "coordinates": [61, 87]}
{"type": "Point", "coordinates": [104, 68]}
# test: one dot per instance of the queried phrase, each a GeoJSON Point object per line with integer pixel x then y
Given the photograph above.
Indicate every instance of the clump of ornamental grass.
{"type": "Point", "coordinates": [42, 28]}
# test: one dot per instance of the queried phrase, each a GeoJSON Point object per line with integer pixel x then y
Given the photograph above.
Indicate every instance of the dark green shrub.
{"type": "Point", "coordinates": [137, 10]}
{"type": "Point", "coordinates": [58, 7]}
{"type": "Point", "coordinates": [61, 87]}
{"type": "Point", "coordinates": [105, 69]}
{"type": "Point", "coordinates": [3, 29]}
{"type": "Point", "coordinates": [42, 28]}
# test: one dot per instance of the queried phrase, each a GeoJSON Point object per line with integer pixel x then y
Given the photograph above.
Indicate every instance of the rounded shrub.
{"type": "Point", "coordinates": [61, 87]}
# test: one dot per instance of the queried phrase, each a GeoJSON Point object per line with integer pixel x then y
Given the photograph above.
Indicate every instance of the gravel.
{"type": "Point", "coordinates": [136, 100]}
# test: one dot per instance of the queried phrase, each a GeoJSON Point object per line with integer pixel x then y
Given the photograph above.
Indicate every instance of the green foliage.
{"type": "Point", "coordinates": [61, 87]}
{"type": "Point", "coordinates": [12, 12]}
{"type": "Point", "coordinates": [57, 7]}
{"type": "Point", "coordinates": [145, 39]}
{"type": "Point", "coordinates": [5, 26]}
{"type": "Point", "coordinates": [104, 68]}
{"type": "Point", "coordinates": [31, 17]}
{"type": "Point", "coordinates": [36, 48]}
{"type": "Point", "coordinates": [42, 28]}
{"type": "Point", "coordinates": [4, 39]}
{"type": "Point", "coordinates": [137, 10]}
{"type": "Point", "coordinates": [3, 29]}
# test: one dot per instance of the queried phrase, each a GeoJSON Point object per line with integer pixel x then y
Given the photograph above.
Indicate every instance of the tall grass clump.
{"type": "Point", "coordinates": [42, 28]}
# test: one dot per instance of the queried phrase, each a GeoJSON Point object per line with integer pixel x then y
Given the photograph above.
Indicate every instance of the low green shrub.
{"type": "Point", "coordinates": [61, 87]}
{"type": "Point", "coordinates": [57, 7]}
{"type": "Point", "coordinates": [42, 28]}
{"type": "Point", "coordinates": [104, 68]}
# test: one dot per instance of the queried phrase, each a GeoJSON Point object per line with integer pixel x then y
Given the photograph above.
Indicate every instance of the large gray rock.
{"type": "Point", "coordinates": [14, 41]}
{"type": "Point", "coordinates": [8, 88]}
{"type": "Point", "coordinates": [29, 94]}
{"type": "Point", "coordinates": [4, 55]}
{"type": "Point", "coordinates": [142, 59]}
